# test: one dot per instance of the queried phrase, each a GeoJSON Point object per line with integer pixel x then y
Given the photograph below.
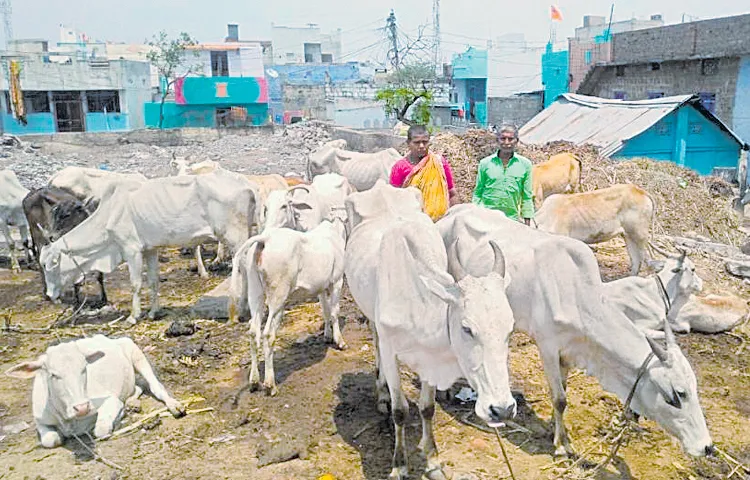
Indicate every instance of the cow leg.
{"type": "Point", "coordinates": [77, 293]}
{"type": "Point", "coordinates": [635, 251]}
{"type": "Point", "coordinates": [49, 437]}
{"type": "Point", "coordinates": [199, 261]}
{"type": "Point", "coordinates": [135, 269]}
{"type": "Point", "coordinates": [253, 379]}
{"type": "Point", "coordinates": [26, 243]}
{"type": "Point", "coordinates": [329, 302]}
{"type": "Point", "coordinates": [433, 470]}
{"type": "Point", "coordinates": [381, 386]}
{"type": "Point", "coordinates": [107, 415]}
{"type": "Point", "coordinates": [557, 377]}
{"type": "Point", "coordinates": [152, 272]}
{"type": "Point", "coordinates": [103, 297]}
{"type": "Point", "coordinates": [14, 266]}
{"type": "Point", "coordinates": [143, 367]}
{"type": "Point", "coordinates": [276, 300]}
{"type": "Point", "coordinates": [399, 412]}
{"type": "Point", "coordinates": [221, 254]}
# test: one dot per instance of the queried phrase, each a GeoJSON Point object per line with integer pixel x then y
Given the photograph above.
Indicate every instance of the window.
{"type": "Point", "coordinates": [327, 58]}
{"type": "Point", "coordinates": [620, 71]}
{"type": "Point", "coordinates": [106, 101]}
{"type": "Point", "coordinates": [652, 95]}
{"type": "Point", "coordinates": [219, 64]}
{"type": "Point", "coordinates": [587, 57]}
{"type": "Point", "coordinates": [655, 66]}
{"type": "Point", "coordinates": [708, 100]}
{"type": "Point", "coordinates": [709, 66]}
{"type": "Point", "coordinates": [619, 95]}
{"type": "Point", "coordinates": [36, 102]}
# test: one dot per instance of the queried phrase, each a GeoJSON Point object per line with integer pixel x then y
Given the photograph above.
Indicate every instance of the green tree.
{"type": "Point", "coordinates": [169, 57]}
{"type": "Point", "coordinates": [409, 94]}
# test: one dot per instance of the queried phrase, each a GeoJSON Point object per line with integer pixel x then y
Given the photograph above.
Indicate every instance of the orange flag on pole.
{"type": "Point", "coordinates": [555, 13]}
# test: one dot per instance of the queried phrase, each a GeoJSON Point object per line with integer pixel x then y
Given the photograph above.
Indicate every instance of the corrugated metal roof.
{"type": "Point", "coordinates": [605, 123]}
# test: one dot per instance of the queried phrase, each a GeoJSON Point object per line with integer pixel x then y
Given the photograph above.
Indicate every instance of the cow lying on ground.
{"type": "Point", "coordinates": [82, 385]}
{"type": "Point", "coordinates": [560, 174]}
{"type": "Point", "coordinates": [442, 329]}
{"type": "Point", "coordinates": [557, 298]}
{"type": "Point", "coordinates": [712, 313]}
{"type": "Point", "coordinates": [649, 302]}
{"type": "Point", "coordinates": [280, 264]}
{"type": "Point", "coordinates": [361, 169]}
{"type": "Point", "coordinates": [131, 225]}
{"type": "Point", "coordinates": [51, 213]}
{"type": "Point", "coordinates": [601, 215]}
{"type": "Point", "coordinates": [11, 214]}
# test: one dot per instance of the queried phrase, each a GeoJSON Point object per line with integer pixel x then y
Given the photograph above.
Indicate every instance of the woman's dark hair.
{"type": "Point", "coordinates": [416, 130]}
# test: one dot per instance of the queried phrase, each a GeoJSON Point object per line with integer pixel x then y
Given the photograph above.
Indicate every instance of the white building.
{"type": "Point", "coordinates": [293, 45]}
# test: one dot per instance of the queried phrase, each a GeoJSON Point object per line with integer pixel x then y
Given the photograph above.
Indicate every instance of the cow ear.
{"type": "Point", "coordinates": [92, 357]}
{"type": "Point", "coordinates": [447, 293]}
{"type": "Point", "coordinates": [26, 369]}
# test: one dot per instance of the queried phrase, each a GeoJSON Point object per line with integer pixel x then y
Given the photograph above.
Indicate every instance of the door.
{"type": "Point", "coordinates": [68, 111]}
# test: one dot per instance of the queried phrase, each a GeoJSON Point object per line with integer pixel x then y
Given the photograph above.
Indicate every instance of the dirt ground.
{"type": "Point", "coordinates": [324, 417]}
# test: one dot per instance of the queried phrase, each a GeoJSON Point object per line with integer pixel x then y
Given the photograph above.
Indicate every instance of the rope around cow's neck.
{"type": "Point", "coordinates": [663, 293]}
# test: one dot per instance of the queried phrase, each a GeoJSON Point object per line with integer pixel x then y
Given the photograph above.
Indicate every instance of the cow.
{"type": "Point", "coordinates": [280, 264]}
{"type": "Point", "coordinates": [560, 174]}
{"type": "Point", "coordinates": [303, 207]}
{"type": "Point", "coordinates": [83, 385]}
{"type": "Point", "coordinates": [12, 194]}
{"type": "Point", "coordinates": [557, 298]}
{"type": "Point", "coordinates": [170, 211]}
{"type": "Point", "coordinates": [649, 302]}
{"type": "Point", "coordinates": [90, 184]}
{"type": "Point", "coordinates": [361, 169]}
{"type": "Point", "coordinates": [396, 269]}
{"type": "Point", "coordinates": [52, 212]}
{"type": "Point", "coordinates": [600, 215]}
{"type": "Point", "coordinates": [712, 313]}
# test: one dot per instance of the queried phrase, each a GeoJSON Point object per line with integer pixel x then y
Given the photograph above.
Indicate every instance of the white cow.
{"type": "Point", "coordinates": [558, 299]}
{"type": "Point", "coordinates": [361, 169]}
{"type": "Point", "coordinates": [713, 313]}
{"type": "Point", "coordinates": [302, 207]}
{"type": "Point", "coordinates": [649, 302]}
{"type": "Point", "coordinates": [281, 263]}
{"type": "Point", "coordinates": [83, 385]}
{"type": "Point", "coordinates": [169, 211]}
{"type": "Point", "coordinates": [396, 269]}
{"type": "Point", "coordinates": [90, 184]}
{"type": "Point", "coordinates": [12, 194]}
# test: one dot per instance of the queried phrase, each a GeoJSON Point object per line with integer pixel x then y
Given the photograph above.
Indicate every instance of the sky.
{"type": "Point", "coordinates": [463, 22]}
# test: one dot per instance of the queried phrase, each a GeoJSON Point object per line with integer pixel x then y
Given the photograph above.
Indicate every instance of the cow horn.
{"type": "Point", "coordinates": [499, 264]}
{"type": "Point", "coordinates": [681, 260]}
{"type": "Point", "coordinates": [661, 252]}
{"type": "Point", "coordinates": [669, 334]}
{"type": "Point", "coordinates": [454, 264]}
{"type": "Point", "coordinates": [300, 187]}
{"type": "Point", "coordinates": [658, 350]}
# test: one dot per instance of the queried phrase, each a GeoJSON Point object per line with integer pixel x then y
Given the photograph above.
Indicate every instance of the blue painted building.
{"type": "Point", "coordinates": [555, 74]}
{"type": "Point", "coordinates": [63, 93]}
{"type": "Point", "coordinates": [679, 129]}
{"type": "Point", "coordinates": [470, 84]}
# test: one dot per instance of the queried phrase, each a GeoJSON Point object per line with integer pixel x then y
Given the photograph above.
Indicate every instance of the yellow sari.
{"type": "Point", "coordinates": [429, 177]}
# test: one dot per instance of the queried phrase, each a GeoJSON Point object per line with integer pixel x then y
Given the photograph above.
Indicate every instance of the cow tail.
{"type": "Point", "coordinates": [653, 220]}
{"type": "Point", "coordinates": [238, 280]}
{"type": "Point", "coordinates": [580, 173]}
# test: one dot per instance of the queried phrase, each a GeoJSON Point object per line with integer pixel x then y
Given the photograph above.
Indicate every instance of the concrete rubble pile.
{"type": "Point", "coordinates": [686, 202]}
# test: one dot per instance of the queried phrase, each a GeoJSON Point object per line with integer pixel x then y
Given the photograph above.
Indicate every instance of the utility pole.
{"type": "Point", "coordinates": [436, 24]}
{"type": "Point", "coordinates": [393, 37]}
{"type": "Point", "coordinates": [7, 12]}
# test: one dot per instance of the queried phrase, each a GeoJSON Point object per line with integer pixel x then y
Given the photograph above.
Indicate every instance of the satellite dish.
{"type": "Point", "coordinates": [272, 73]}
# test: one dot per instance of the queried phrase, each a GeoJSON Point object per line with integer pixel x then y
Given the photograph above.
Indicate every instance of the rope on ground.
{"type": "Point", "coordinates": [505, 455]}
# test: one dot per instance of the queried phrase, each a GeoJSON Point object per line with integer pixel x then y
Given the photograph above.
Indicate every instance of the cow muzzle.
{"type": "Point", "coordinates": [498, 414]}
{"type": "Point", "coordinates": [82, 409]}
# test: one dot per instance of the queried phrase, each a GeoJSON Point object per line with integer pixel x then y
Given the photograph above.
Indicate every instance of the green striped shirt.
{"type": "Point", "coordinates": [507, 189]}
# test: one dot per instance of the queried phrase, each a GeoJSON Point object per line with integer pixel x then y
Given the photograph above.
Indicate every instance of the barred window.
{"type": "Point", "coordinates": [103, 100]}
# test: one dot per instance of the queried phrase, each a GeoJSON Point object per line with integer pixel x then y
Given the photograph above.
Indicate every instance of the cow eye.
{"type": "Point", "coordinates": [682, 393]}
{"type": "Point", "coordinates": [468, 331]}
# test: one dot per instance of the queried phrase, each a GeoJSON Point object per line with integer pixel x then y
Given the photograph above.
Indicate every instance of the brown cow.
{"type": "Point", "coordinates": [600, 215]}
{"type": "Point", "coordinates": [560, 174]}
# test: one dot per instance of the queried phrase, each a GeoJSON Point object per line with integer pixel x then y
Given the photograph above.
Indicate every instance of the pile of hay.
{"type": "Point", "coordinates": [685, 201]}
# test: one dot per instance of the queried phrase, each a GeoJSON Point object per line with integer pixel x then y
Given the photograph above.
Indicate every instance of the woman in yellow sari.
{"type": "Point", "coordinates": [428, 172]}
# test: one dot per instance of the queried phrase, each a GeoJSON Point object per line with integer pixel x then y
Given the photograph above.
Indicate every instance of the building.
{"type": "Point", "coordinates": [295, 45]}
{"type": "Point", "coordinates": [64, 93]}
{"type": "Point", "coordinates": [229, 88]}
{"type": "Point", "coordinates": [513, 66]}
{"type": "Point", "coordinates": [710, 58]}
{"type": "Point", "coordinates": [591, 44]}
{"type": "Point", "coordinates": [555, 74]}
{"type": "Point", "coordinates": [516, 109]}
{"type": "Point", "coordinates": [679, 129]}
{"type": "Point", "coordinates": [469, 81]}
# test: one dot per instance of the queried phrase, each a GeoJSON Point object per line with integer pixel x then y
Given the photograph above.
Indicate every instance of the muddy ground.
{"type": "Point", "coordinates": [324, 417]}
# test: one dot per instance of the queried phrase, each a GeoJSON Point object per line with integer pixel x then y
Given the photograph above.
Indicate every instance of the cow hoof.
{"type": "Point", "coordinates": [398, 473]}
{"type": "Point", "coordinates": [271, 390]}
{"type": "Point", "coordinates": [131, 320]}
{"type": "Point", "coordinates": [51, 440]}
{"type": "Point", "coordinates": [176, 408]}
{"type": "Point", "coordinates": [342, 345]}
{"type": "Point", "coordinates": [434, 474]}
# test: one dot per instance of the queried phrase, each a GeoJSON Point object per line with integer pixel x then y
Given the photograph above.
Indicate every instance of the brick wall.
{"type": "Point", "coordinates": [600, 53]}
{"type": "Point", "coordinates": [672, 78]}
{"type": "Point", "coordinates": [721, 37]}
{"type": "Point", "coordinates": [517, 109]}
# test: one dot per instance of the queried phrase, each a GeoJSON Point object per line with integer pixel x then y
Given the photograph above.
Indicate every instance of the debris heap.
{"type": "Point", "coordinates": [686, 202]}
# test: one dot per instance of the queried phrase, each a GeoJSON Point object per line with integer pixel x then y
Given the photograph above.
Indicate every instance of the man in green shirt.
{"type": "Point", "coordinates": [504, 179]}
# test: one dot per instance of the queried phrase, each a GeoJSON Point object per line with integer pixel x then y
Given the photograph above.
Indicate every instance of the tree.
{"type": "Point", "coordinates": [170, 59]}
{"type": "Point", "coordinates": [409, 94]}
